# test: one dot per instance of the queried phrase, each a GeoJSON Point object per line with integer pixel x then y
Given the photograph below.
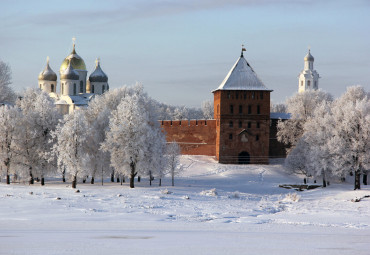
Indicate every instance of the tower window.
{"type": "Point", "coordinates": [240, 109]}
{"type": "Point", "coordinates": [81, 87]}
{"type": "Point", "coordinates": [52, 87]}
{"type": "Point", "coordinates": [237, 95]}
{"type": "Point", "coordinates": [249, 124]}
{"type": "Point", "coordinates": [302, 83]}
{"type": "Point", "coordinates": [258, 125]}
{"type": "Point", "coordinates": [40, 86]}
{"type": "Point", "coordinates": [62, 88]}
{"type": "Point", "coordinates": [252, 95]}
{"type": "Point", "coordinates": [74, 89]}
{"type": "Point", "coordinates": [245, 95]}
{"type": "Point", "coordinates": [230, 136]}
{"type": "Point", "coordinates": [240, 124]}
{"type": "Point", "coordinates": [103, 89]}
{"type": "Point", "coordinates": [261, 95]}
{"type": "Point", "coordinates": [231, 124]}
{"type": "Point", "coordinates": [257, 137]}
{"type": "Point", "coordinates": [308, 83]}
{"type": "Point", "coordinates": [258, 109]}
{"type": "Point", "coordinates": [231, 109]}
{"type": "Point", "coordinates": [249, 109]}
{"type": "Point", "coordinates": [92, 89]}
{"type": "Point", "coordinates": [228, 95]}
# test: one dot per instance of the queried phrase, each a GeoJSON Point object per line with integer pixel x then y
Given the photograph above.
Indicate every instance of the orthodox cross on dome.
{"type": "Point", "coordinates": [243, 49]}
{"type": "Point", "coordinates": [97, 61]}
{"type": "Point", "coordinates": [47, 60]}
{"type": "Point", "coordinates": [74, 43]}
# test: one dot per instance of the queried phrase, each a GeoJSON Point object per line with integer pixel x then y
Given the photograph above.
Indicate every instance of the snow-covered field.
{"type": "Point", "coordinates": [213, 209]}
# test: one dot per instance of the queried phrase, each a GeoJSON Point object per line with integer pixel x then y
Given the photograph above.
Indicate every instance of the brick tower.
{"type": "Point", "coordinates": [242, 114]}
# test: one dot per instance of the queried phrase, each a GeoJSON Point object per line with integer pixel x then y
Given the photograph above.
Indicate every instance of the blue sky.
{"type": "Point", "coordinates": [182, 50]}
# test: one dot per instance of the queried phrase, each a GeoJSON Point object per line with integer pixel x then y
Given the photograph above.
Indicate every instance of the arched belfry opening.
{"type": "Point", "coordinates": [244, 158]}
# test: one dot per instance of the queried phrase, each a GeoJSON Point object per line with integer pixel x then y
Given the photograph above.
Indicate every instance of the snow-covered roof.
{"type": "Point", "coordinates": [61, 102]}
{"type": "Point", "coordinates": [242, 77]}
{"type": "Point", "coordinates": [280, 115]}
{"type": "Point", "coordinates": [79, 100]}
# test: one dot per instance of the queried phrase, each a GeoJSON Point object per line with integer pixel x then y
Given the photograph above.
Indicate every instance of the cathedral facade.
{"type": "Point", "coordinates": [74, 90]}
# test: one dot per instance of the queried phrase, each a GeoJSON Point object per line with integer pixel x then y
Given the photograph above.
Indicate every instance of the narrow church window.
{"type": "Point", "coordinates": [261, 95]}
{"type": "Point", "coordinates": [52, 87]}
{"type": "Point", "coordinates": [196, 122]}
{"type": "Point", "coordinates": [249, 109]}
{"type": "Point", "coordinates": [74, 89]}
{"type": "Point", "coordinates": [301, 83]}
{"type": "Point", "coordinates": [205, 123]}
{"type": "Point", "coordinates": [103, 89]}
{"type": "Point", "coordinates": [81, 87]}
{"type": "Point", "coordinates": [308, 83]}
{"type": "Point", "coordinates": [62, 88]}
{"type": "Point", "coordinates": [92, 89]}
{"type": "Point", "coordinates": [240, 124]}
{"type": "Point", "coordinates": [240, 109]}
{"type": "Point", "coordinates": [171, 122]}
{"type": "Point", "coordinates": [258, 125]}
{"type": "Point", "coordinates": [231, 109]}
{"type": "Point", "coordinates": [257, 137]}
{"type": "Point", "coordinates": [249, 124]}
{"type": "Point", "coordinates": [230, 136]}
{"type": "Point", "coordinates": [258, 109]}
{"type": "Point", "coordinates": [230, 124]}
{"type": "Point", "coordinates": [40, 86]}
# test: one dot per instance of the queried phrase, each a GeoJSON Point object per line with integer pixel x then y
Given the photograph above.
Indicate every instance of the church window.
{"type": "Point", "coordinates": [231, 124]}
{"type": "Point", "coordinates": [249, 124]}
{"type": "Point", "coordinates": [81, 87]}
{"type": "Point", "coordinates": [258, 109]}
{"type": "Point", "coordinates": [180, 123]}
{"type": "Point", "coordinates": [258, 125]}
{"type": "Point", "coordinates": [52, 87]}
{"type": "Point", "coordinates": [74, 89]}
{"type": "Point", "coordinates": [230, 136]}
{"type": "Point", "coordinates": [62, 88]}
{"type": "Point", "coordinates": [257, 137]}
{"type": "Point", "coordinates": [40, 86]}
{"type": "Point", "coordinates": [249, 109]}
{"type": "Point", "coordinates": [231, 109]}
{"type": "Point", "coordinates": [252, 95]}
{"type": "Point", "coordinates": [308, 83]}
{"type": "Point", "coordinates": [240, 124]}
{"type": "Point", "coordinates": [240, 109]}
{"type": "Point", "coordinates": [261, 95]}
{"type": "Point", "coordinates": [92, 89]}
{"type": "Point", "coordinates": [302, 83]}
{"type": "Point", "coordinates": [103, 89]}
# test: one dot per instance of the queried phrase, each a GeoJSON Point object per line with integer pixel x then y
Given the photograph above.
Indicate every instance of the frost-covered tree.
{"type": "Point", "coordinates": [318, 128]}
{"type": "Point", "coordinates": [7, 94]}
{"type": "Point", "coordinates": [70, 146]}
{"type": "Point", "coordinates": [126, 140]}
{"type": "Point", "coordinates": [278, 108]}
{"type": "Point", "coordinates": [173, 160]}
{"type": "Point", "coordinates": [39, 117]}
{"type": "Point", "coordinates": [301, 106]}
{"type": "Point", "coordinates": [8, 126]}
{"type": "Point", "coordinates": [350, 143]}
{"type": "Point", "coordinates": [207, 109]}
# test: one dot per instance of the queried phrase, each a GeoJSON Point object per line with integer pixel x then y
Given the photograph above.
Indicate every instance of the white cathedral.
{"type": "Point", "coordinates": [308, 78]}
{"type": "Point", "coordinates": [75, 90]}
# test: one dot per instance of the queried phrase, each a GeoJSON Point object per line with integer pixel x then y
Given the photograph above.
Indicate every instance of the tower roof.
{"type": "Point", "coordinates": [76, 61]}
{"type": "Point", "coordinates": [47, 74]}
{"type": "Point", "coordinates": [242, 77]}
{"type": "Point", "coordinates": [309, 57]}
{"type": "Point", "coordinates": [98, 75]}
{"type": "Point", "coordinates": [69, 73]}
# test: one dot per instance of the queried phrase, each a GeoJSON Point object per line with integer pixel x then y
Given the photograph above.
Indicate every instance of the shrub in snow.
{"type": "Point", "coordinates": [211, 192]}
{"type": "Point", "coordinates": [291, 197]}
{"type": "Point", "coordinates": [235, 195]}
{"type": "Point", "coordinates": [186, 197]}
{"type": "Point", "coordinates": [166, 191]}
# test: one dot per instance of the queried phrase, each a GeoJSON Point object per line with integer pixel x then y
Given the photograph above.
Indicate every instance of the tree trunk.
{"type": "Point", "coordinates": [118, 179]}
{"type": "Point", "coordinates": [138, 178]}
{"type": "Point", "coordinates": [102, 176]}
{"type": "Point", "coordinates": [42, 181]}
{"type": "Point", "coordinates": [92, 180]}
{"type": "Point", "coordinates": [74, 182]}
{"type": "Point", "coordinates": [112, 177]}
{"type": "Point", "coordinates": [364, 179]}
{"type": "Point", "coordinates": [132, 175]}
{"type": "Point", "coordinates": [304, 180]}
{"type": "Point", "coordinates": [123, 179]}
{"type": "Point", "coordinates": [173, 179]}
{"type": "Point", "coordinates": [323, 181]}
{"type": "Point", "coordinates": [64, 174]}
{"type": "Point", "coordinates": [160, 181]}
{"type": "Point", "coordinates": [150, 178]}
{"type": "Point", "coordinates": [31, 181]}
{"type": "Point", "coordinates": [357, 179]}
{"type": "Point", "coordinates": [7, 179]}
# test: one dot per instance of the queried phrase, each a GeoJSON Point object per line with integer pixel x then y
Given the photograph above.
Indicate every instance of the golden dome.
{"type": "Point", "coordinates": [76, 61]}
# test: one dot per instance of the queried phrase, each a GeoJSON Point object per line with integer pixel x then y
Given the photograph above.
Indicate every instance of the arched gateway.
{"type": "Point", "coordinates": [243, 158]}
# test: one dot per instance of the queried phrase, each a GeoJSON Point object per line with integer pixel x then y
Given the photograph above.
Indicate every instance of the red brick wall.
{"type": "Point", "coordinates": [195, 137]}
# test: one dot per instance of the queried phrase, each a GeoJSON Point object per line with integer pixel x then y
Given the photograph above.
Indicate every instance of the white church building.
{"type": "Point", "coordinates": [308, 78]}
{"type": "Point", "coordinates": [75, 90]}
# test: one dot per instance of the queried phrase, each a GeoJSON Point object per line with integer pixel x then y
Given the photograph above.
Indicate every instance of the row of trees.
{"type": "Point", "coordinates": [328, 138]}
{"type": "Point", "coordinates": [117, 134]}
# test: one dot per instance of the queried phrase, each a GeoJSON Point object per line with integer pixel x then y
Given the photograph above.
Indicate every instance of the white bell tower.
{"type": "Point", "coordinates": [308, 78]}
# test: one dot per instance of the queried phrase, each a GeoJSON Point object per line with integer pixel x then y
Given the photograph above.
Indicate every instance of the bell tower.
{"type": "Point", "coordinates": [308, 78]}
{"type": "Point", "coordinates": [242, 114]}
